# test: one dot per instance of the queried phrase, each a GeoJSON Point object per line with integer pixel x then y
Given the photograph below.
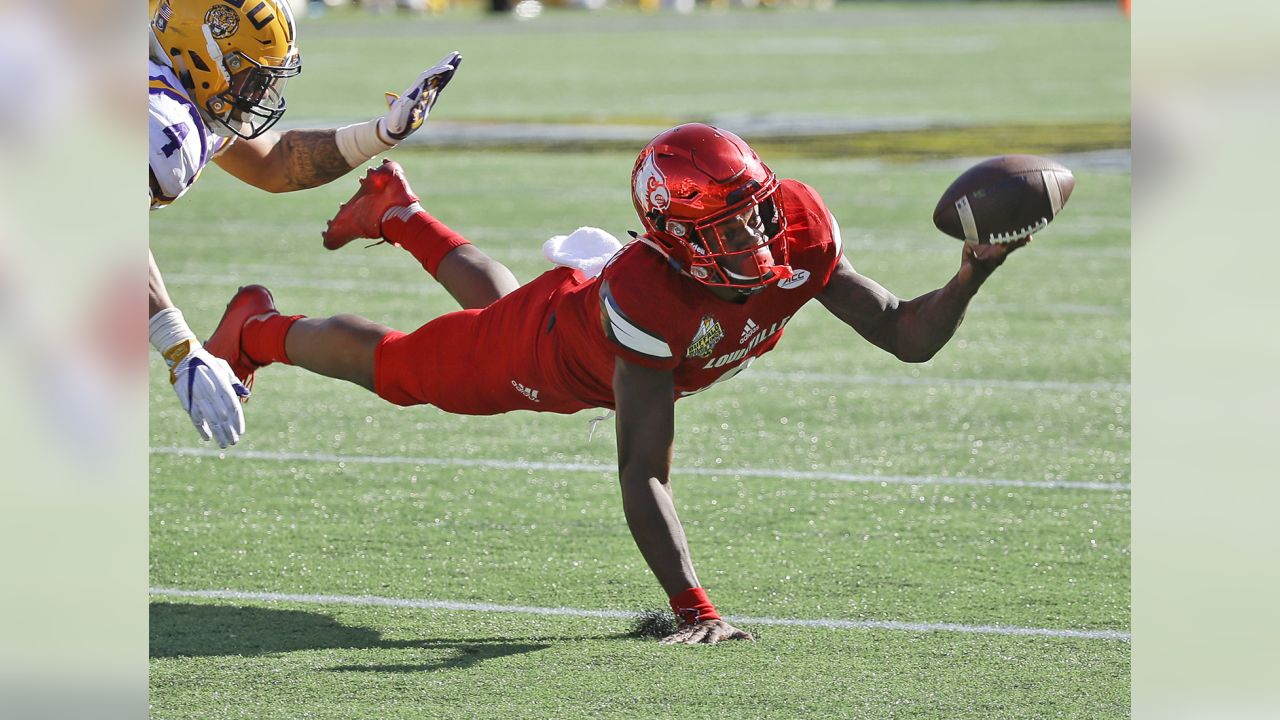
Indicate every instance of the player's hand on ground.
{"type": "Point", "coordinates": [706, 632]}
{"type": "Point", "coordinates": [408, 111]}
{"type": "Point", "coordinates": [985, 258]}
{"type": "Point", "coordinates": [210, 393]}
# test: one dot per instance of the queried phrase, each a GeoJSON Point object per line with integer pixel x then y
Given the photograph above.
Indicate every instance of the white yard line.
{"type": "Point", "coordinates": [498, 464]}
{"type": "Point", "coordinates": [283, 278]}
{"type": "Point", "coordinates": [375, 601]}
{"type": "Point", "coordinates": [839, 378]}
{"type": "Point", "coordinates": [810, 378]}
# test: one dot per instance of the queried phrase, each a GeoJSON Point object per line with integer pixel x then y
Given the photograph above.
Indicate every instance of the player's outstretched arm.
{"type": "Point", "coordinates": [645, 400]}
{"type": "Point", "coordinates": [912, 330]}
{"type": "Point", "coordinates": [207, 388]}
{"type": "Point", "coordinates": [283, 161]}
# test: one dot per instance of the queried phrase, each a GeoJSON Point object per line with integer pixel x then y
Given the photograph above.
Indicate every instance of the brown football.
{"type": "Point", "coordinates": [1004, 199]}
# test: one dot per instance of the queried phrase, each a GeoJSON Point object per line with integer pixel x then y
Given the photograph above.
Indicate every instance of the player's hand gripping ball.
{"type": "Point", "coordinates": [1004, 199]}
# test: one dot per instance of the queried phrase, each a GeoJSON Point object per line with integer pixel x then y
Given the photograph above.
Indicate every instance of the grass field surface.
{"type": "Point", "coordinates": [955, 533]}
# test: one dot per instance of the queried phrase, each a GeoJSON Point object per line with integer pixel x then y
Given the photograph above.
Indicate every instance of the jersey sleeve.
{"type": "Point", "coordinates": [178, 148]}
{"type": "Point", "coordinates": [642, 321]}
{"type": "Point", "coordinates": [819, 246]}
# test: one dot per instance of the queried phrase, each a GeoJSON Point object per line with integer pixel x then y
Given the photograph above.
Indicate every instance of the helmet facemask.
{"type": "Point", "coordinates": [711, 207]}
{"type": "Point", "coordinates": [742, 248]}
{"type": "Point", "coordinates": [254, 99]}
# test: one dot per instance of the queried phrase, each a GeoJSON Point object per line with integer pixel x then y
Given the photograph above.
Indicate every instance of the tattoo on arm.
{"type": "Point", "coordinates": [312, 158]}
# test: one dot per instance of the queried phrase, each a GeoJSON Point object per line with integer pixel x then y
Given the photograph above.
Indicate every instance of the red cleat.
{"type": "Point", "coordinates": [381, 189]}
{"type": "Point", "coordinates": [249, 302]}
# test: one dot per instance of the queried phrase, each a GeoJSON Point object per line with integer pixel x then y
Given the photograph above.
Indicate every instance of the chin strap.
{"type": "Point", "coordinates": [658, 248]}
{"type": "Point", "coordinates": [782, 272]}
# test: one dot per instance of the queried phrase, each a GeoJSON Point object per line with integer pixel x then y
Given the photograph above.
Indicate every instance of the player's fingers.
{"type": "Point", "coordinates": [741, 635]}
{"type": "Point", "coordinates": [198, 419]}
{"type": "Point", "coordinates": [678, 636]}
{"type": "Point", "coordinates": [216, 423]}
{"type": "Point", "coordinates": [202, 427]}
{"type": "Point", "coordinates": [701, 633]}
{"type": "Point", "coordinates": [230, 410]}
{"type": "Point", "coordinates": [725, 631]}
{"type": "Point", "coordinates": [231, 419]}
{"type": "Point", "coordinates": [208, 399]}
{"type": "Point", "coordinates": [220, 408]}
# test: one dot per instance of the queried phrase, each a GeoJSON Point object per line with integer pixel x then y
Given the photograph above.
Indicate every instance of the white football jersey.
{"type": "Point", "coordinates": [181, 144]}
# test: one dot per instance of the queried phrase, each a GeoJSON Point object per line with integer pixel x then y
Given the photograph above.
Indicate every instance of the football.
{"type": "Point", "coordinates": [1004, 199]}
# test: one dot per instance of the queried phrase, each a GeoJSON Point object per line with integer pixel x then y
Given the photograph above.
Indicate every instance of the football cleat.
{"type": "Point", "coordinates": [381, 189]}
{"type": "Point", "coordinates": [249, 302]}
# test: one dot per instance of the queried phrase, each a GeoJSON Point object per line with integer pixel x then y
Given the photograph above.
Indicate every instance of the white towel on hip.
{"type": "Point", "coordinates": [586, 249]}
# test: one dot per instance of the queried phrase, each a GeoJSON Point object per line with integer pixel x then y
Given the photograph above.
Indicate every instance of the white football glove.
{"type": "Point", "coordinates": [408, 111]}
{"type": "Point", "coordinates": [209, 391]}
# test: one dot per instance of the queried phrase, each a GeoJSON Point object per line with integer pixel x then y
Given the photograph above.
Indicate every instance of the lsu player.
{"type": "Point", "coordinates": [216, 79]}
{"type": "Point", "coordinates": [730, 253]}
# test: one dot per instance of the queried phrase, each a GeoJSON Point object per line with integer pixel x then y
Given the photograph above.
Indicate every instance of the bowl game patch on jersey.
{"type": "Point", "coordinates": [704, 341]}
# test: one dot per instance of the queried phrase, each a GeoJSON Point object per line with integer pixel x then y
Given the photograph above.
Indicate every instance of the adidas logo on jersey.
{"type": "Point", "coordinates": [736, 355]}
{"type": "Point", "coordinates": [748, 330]}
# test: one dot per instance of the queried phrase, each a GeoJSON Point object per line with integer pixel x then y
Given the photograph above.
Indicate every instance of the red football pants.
{"type": "Point", "coordinates": [479, 362]}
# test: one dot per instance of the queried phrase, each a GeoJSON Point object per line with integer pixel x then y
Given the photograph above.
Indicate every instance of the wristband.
{"type": "Point", "coordinates": [692, 606]}
{"type": "Point", "coordinates": [167, 328]}
{"type": "Point", "coordinates": [361, 141]}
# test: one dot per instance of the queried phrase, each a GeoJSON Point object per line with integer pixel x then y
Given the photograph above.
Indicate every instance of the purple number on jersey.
{"type": "Point", "coordinates": [177, 133]}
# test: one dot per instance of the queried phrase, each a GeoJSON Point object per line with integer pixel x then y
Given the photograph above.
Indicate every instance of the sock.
{"type": "Point", "coordinates": [425, 237]}
{"type": "Point", "coordinates": [263, 339]}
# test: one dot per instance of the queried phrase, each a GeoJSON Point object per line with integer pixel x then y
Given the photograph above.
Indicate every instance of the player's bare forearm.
{"type": "Point", "coordinates": [286, 161]}
{"type": "Point", "coordinates": [926, 324]}
{"type": "Point", "coordinates": [157, 294]}
{"type": "Point", "coordinates": [651, 517]}
{"type": "Point", "coordinates": [912, 330]}
{"type": "Point", "coordinates": [312, 158]}
{"type": "Point", "coordinates": [646, 427]}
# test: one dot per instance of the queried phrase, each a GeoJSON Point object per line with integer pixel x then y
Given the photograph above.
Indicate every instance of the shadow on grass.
{"type": "Point", "coordinates": [189, 630]}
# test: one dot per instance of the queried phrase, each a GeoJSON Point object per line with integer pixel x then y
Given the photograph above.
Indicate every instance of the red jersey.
{"type": "Point", "coordinates": [646, 311]}
{"type": "Point", "coordinates": [478, 362]}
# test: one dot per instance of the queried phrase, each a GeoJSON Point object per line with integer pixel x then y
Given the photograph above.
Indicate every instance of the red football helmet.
{"type": "Point", "coordinates": [707, 203]}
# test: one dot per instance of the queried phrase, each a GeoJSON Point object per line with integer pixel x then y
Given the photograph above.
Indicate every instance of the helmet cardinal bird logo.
{"type": "Point", "coordinates": [651, 187]}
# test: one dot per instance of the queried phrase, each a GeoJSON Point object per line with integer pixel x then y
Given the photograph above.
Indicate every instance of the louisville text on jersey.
{"type": "Point", "coordinates": [736, 355]}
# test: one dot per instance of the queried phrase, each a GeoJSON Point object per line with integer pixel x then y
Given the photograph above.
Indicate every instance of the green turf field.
{"type": "Point", "coordinates": [956, 531]}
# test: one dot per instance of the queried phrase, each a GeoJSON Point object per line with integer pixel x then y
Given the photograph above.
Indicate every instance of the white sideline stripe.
{"type": "Point", "coordinates": [605, 469]}
{"type": "Point", "coordinates": [311, 283]}
{"type": "Point", "coordinates": [279, 280]}
{"type": "Point", "coordinates": [802, 376]}
{"type": "Point", "coordinates": [375, 601]}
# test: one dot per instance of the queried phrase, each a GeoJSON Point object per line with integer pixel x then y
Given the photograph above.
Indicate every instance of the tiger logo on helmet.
{"type": "Point", "coordinates": [233, 56]}
{"type": "Point", "coordinates": [707, 202]}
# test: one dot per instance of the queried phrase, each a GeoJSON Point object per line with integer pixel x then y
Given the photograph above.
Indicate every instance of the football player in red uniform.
{"type": "Point", "coordinates": [729, 254]}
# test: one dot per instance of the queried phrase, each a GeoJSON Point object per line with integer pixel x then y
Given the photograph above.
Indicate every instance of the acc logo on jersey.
{"type": "Point", "coordinates": [222, 21]}
{"type": "Point", "coordinates": [704, 341]}
{"type": "Point", "coordinates": [798, 278]}
{"type": "Point", "coordinates": [651, 187]}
